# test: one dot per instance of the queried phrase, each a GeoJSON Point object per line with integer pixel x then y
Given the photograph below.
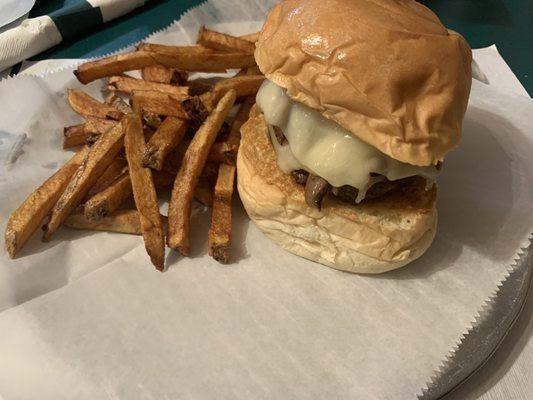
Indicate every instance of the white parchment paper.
{"type": "Point", "coordinates": [86, 316]}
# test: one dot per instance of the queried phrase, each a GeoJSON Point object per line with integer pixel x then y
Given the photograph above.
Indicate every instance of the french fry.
{"type": "Point", "coordinates": [126, 84]}
{"type": "Point", "coordinates": [113, 65]}
{"type": "Point", "coordinates": [206, 62]}
{"type": "Point", "coordinates": [111, 198]}
{"type": "Point", "coordinates": [122, 221]}
{"type": "Point", "coordinates": [161, 74]}
{"type": "Point", "coordinates": [144, 192]}
{"type": "Point", "coordinates": [116, 101]}
{"type": "Point", "coordinates": [26, 219]}
{"type": "Point", "coordinates": [189, 173]}
{"type": "Point", "coordinates": [187, 59]}
{"type": "Point", "coordinates": [158, 103]}
{"type": "Point", "coordinates": [97, 126]}
{"type": "Point", "coordinates": [223, 152]}
{"type": "Point", "coordinates": [203, 192]}
{"type": "Point", "coordinates": [173, 50]}
{"type": "Point", "coordinates": [110, 175]}
{"type": "Point", "coordinates": [224, 42]}
{"type": "Point", "coordinates": [234, 136]}
{"type": "Point", "coordinates": [108, 200]}
{"type": "Point", "coordinates": [219, 236]}
{"type": "Point", "coordinates": [165, 139]}
{"type": "Point", "coordinates": [251, 37]}
{"type": "Point", "coordinates": [253, 70]}
{"type": "Point", "coordinates": [85, 105]}
{"type": "Point", "coordinates": [244, 85]}
{"type": "Point", "coordinates": [74, 136]}
{"type": "Point", "coordinates": [99, 157]}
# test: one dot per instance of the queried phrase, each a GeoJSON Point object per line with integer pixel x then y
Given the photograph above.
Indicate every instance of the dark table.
{"type": "Point", "coordinates": [507, 23]}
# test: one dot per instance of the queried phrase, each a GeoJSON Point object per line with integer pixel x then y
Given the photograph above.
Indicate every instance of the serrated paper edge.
{"type": "Point", "coordinates": [484, 308]}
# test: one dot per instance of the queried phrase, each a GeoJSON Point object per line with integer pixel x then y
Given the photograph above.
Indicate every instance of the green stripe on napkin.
{"type": "Point", "coordinates": [77, 19]}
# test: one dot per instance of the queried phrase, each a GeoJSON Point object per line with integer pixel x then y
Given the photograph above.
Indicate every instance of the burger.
{"type": "Point", "coordinates": [362, 101]}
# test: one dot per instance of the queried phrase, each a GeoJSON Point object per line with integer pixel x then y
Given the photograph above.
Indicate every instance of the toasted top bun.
{"type": "Point", "coordinates": [386, 70]}
{"type": "Point", "coordinates": [371, 237]}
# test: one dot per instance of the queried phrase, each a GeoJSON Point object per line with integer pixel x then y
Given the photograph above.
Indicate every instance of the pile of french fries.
{"type": "Point", "coordinates": [162, 131]}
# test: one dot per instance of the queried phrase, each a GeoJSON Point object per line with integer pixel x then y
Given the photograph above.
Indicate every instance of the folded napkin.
{"type": "Point", "coordinates": [35, 35]}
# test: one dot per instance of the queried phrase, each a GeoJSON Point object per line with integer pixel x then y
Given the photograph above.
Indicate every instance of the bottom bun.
{"type": "Point", "coordinates": [375, 236]}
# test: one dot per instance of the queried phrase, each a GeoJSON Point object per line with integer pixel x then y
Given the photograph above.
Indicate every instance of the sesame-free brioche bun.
{"type": "Point", "coordinates": [372, 237]}
{"type": "Point", "coordinates": [388, 71]}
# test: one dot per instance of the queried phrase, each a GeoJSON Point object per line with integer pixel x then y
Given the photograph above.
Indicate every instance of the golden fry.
{"type": "Point", "coordinates": [159, 103]}
{"type": "Point", "coordinates": [122, 221]}
{"type": "Point", "coordinates": [223, 152]}
{"type": "Point", "coordinates": [219, 237]}
{"type": "Point", "coordinates": [191, 58]}
{"type": "Point", "coordinates": [113, 65]}
{"type": "Point", "coordinates": [74, 136]}
{"type": "Point", "coordinates": [224, 42]}
{"type": "Point", "coordinates": [108, 200]}
{"type": "Point", "coordinates": [205, 61]}
{"type": "Point", "coordinates": [173, 50]}
{"type": "Point", "coordinates": [234, 137]}
{"type": "Point", "coordinates": [189, 173]}
{"type": "Point", "coordinates": [244, 85]}
{"type": "Point", "coordinates": [118, 102]}
{"type": "Point", "coordinates": [85, 105]}
{"type": "Point", "coordinates": [97, 126]}
{"type": "Point", "coordinates": [100, 156]}
{"type": "Point", "coordinates": [203, 192]}
{"type": "Point", "coordinates": [161, 74]}
{"type": "Point", "coordinates": [144, 192]}
{"type": "Point", "coordinates": [110, 175]}
{"type": "Point", "coordinates": [26, 219]}
{"type": "Point", "coordinates": [126, 84]}
{"type": "Point", "coordinates": [165, 139]}
{"type": "Point", "coordinates": [253, 70]}
{"type": "Point", "coordinates": [251, 37]}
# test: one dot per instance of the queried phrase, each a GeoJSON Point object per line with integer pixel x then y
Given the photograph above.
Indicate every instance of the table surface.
{"type": "Point", "coordinates": [506, 23]}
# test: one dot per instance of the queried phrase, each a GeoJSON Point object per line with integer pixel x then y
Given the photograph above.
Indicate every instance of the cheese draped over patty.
{"type": "Point", "coordinates": [324, 148]}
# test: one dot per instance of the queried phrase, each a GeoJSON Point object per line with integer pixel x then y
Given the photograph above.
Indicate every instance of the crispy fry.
{"type": "Point", "coordinates": [203, 192]}
{"type": "Point", "coordinates": [251, 37]}
{"type": "Point", "coordinates": [174, 50]}
{"type": "Point", "coordinates": [122, 221]}
{"type": "Point", "coordinates": [219, 237]}
{"type": "Point", "coordinates": [144, 192]}
{"type": "Point", "coordinates": [234, 137]}
{"type": "Point", "coordinates": [25, 219]}
{"type": "Point", "coordinates": [244, 85]}
{"type": "Point", "coordinates": [108, 200]}
{"type": "Point", "coordinates": [116, 101]}
{"type": "Point", "coordinates": [165, 139]}
{"type": "Point", "coordinates": [223, 152]}
{"type": "Point", "coordinates": [189, 173]}
{"type": "Point", "coordinates": [110, 175]}
{"type": "Point", "coordinates": [97, 126]}
{"type": "Point", "coordinates": [159, 103]}
{"type": "Point", "coordinates": [114, 65]}
{"type": "Point", "coordinates": [74, 136]}
{"type": "Point", "coordinates": [85, 105]}
{"type": "Point", "coordinates": [253, 70]}
{"type": "Point", "coordinates": [100, 156]}
{"type": "Point", "coordinates": [161, 74]}
{"type": "Point", "coordinates": [205, 61]}
{"type": "Point", "coordinates": [191, 58]}
{"type": "Point", "coordinates": [224, 42]}
{"type": "Point", "coordinates": [126, 84]}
